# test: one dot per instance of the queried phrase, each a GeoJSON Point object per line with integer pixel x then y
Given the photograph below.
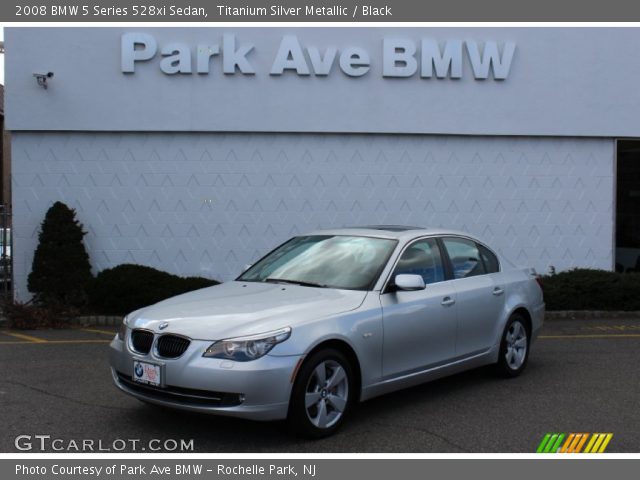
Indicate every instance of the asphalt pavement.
{"type": "Point", "coordinates": [56, 392]}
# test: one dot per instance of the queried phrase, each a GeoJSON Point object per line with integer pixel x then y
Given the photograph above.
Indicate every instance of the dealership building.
{"type": "Point", "coordinates": [197, 150]}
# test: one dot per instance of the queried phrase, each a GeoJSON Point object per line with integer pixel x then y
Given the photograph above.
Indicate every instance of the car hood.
{"type": "Point", "coordinates": [243, 308]}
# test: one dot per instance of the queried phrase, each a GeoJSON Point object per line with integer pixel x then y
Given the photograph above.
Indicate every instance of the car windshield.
{"type": "Point", "coordinates": [330, 261]}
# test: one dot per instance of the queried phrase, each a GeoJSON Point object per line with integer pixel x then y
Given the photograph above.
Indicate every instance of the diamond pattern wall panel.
{"type": "Point", "coordinates": [205, 204]}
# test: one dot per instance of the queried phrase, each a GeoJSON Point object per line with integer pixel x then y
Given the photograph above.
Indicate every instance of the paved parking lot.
{"type": "Point", "coordinates": [582, 377]}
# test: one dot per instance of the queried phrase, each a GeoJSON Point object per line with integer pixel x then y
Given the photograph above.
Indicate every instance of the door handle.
{"type": "Point", "coordinates": [498, 291]}
{"type": "Point", "coordinates": [446, 301]}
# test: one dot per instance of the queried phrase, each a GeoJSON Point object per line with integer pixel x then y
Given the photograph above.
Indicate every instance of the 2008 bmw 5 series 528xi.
{"type": "Point", "coordinates": [329, 319]}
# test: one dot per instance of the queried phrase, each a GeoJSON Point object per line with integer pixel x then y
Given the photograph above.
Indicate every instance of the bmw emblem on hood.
{"type": "Point", "coordinates": [163, 325]}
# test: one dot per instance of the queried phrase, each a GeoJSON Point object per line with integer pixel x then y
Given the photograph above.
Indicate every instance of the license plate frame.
{"type": "Point", "coordinates": [147, 373]}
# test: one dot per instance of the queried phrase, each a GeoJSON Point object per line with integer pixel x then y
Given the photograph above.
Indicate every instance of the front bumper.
{"type": "Point", "coordinates": [257, 390]}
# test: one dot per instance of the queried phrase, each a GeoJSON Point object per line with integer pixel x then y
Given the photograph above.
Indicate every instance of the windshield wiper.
{"type": "Point", "coordinates": [295, 282]}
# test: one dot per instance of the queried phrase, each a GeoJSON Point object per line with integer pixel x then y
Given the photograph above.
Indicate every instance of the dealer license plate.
{"type": "Point", "coordinates": [147, 373]}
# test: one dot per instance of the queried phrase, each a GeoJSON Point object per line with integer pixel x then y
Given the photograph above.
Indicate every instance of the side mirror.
{"type": "Point", "coordinates": [409, 282]}
{"type": "Point", "coordinates": [246, 267]}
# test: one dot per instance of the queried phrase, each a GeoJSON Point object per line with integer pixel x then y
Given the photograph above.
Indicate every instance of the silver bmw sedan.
{"type": "Point", "coordinates": [329, 319]}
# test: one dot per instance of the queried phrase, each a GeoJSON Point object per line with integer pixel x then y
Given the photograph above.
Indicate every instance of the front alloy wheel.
{"type": "Point", "coordinates": [321, 394]}
{"type": "Point", "coordinates": [327, 394]}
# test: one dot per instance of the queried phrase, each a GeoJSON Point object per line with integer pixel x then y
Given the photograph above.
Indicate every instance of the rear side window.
{"type": "Point", "coordinates": [490, 260]}
{"type": "Point", "coordinates": [465, 257]}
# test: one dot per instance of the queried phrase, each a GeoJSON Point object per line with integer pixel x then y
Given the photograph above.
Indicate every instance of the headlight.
{"type": "Point", "coordinates": [245, 349]}
{"type": "Point", "coordinates": [122, 331]}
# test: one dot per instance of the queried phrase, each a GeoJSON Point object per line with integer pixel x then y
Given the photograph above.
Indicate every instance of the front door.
{"type": "Point", "coordinates": [419, 326]}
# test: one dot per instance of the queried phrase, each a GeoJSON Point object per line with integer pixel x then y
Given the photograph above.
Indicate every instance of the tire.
{"type": "Point", "coordinates": [317, 408]}
{"type": "Point", "coordinates": [514, 347]}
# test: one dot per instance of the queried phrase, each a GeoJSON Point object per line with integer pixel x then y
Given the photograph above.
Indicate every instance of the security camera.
{"type": "Point", "coordinates": [41, 78]}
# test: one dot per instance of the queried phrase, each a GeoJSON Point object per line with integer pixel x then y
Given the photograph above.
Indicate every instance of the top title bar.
{"type": "Point", "coordinates": [319, 11]}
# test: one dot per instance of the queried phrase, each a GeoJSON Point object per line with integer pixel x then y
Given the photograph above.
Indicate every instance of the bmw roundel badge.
{"type": "Point", "coordinates": [138, 370]}
{"type": "Point", "coordinates": [163, 325]}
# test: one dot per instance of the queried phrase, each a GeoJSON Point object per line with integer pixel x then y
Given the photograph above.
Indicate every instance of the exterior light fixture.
{"type": "Point", "coordinates": [42, 78]}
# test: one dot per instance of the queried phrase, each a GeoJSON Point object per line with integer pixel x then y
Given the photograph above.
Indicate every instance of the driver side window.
{"type": "Point", "coordinates": [422, 258]}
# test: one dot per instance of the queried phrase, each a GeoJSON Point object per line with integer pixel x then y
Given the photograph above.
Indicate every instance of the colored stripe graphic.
{"type": "Point", "coordinates": [590, 444]}
{"type": "Point", "coordinates": [582, 442]}
{"type": "Point", "coordinates": [598, 443]}
{"type": "Point", "coordinates": [543, 443]}
{"type": "Point", "coordinates": [556, 446]}
{"type": "Point", "coordinates": [606, 441]}
{"type": "Point", "coordinates": [550, 443]}
{"type": "Point", "coordinates": [567, 445]}
{"type": "Point", "coordinates": [577, 440]}
{"type": "Point", "coordinates": [574, 443]}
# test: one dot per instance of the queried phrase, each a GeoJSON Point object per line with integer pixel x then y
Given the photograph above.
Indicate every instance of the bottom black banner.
{"type": "Point", "coordinates": [321, 469]}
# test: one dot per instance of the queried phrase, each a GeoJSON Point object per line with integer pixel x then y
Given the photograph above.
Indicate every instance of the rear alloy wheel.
{"type": "Point", "coordinates": [321, 395]}
{"type": "Point", "coordinates": [514, 347]}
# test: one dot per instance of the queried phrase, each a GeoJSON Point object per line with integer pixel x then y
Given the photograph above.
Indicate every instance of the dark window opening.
{"type": "Point", "coordinates": [628, 206]}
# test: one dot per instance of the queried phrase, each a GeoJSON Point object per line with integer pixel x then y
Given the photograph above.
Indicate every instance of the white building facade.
{"type": "Point", "coordinates": [197, 150]}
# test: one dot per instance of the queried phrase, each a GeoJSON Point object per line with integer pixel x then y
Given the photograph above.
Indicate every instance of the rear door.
{"type": "Point", "coordinates": [419, 326]}
{"type": "Point", "coordinates": [479, 294]}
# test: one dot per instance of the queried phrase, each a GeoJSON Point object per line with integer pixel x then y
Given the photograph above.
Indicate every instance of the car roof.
{"type": "Point", "coordinates": [398, 232]}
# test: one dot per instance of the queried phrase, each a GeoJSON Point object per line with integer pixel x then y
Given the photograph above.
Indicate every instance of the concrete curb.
{"type": "Point", "coordinates": [589, 314]}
